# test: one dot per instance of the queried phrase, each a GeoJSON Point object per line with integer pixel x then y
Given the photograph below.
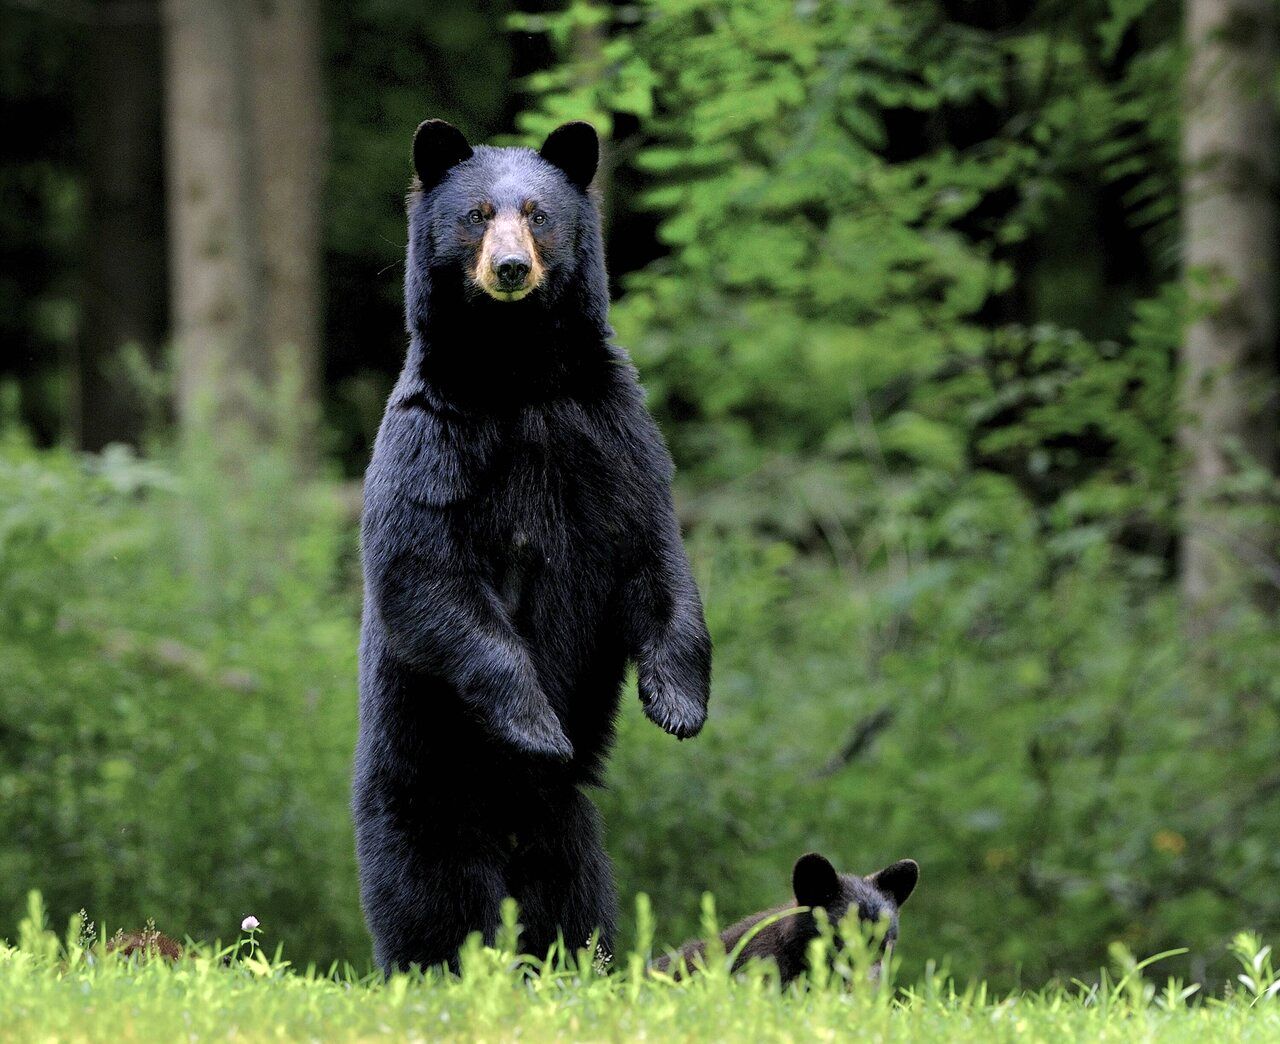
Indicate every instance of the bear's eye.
{"type": "Point", "coordinates": [474, 217]}
{"type": "Point", "coordinates": [538, 217]}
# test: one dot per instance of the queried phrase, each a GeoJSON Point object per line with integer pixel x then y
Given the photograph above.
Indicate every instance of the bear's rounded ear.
{"type": "Point", "coordinates": [897, 880]}
{"type": "Point", "coordinates": [815, 881]}
{"type": "Point", "coordinates": [437, 148]}
{"type": "Point", "coordinates": [575, 149]}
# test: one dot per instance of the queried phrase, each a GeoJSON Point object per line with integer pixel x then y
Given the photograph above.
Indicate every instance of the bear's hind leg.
{"type": "Point", "coordinates": [420, 911]}
{"type": "Point", "coordinates": [563, 880]}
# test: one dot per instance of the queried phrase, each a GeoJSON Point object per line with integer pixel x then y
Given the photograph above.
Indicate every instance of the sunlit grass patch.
{"type": "Point", "coordinates": [73, 988]}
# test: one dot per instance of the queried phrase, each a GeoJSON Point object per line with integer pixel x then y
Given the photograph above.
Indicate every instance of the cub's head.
{"type": "Point", "coordinates": [508, 223]}
{"type": "Point", "coordinates": [876, 897]}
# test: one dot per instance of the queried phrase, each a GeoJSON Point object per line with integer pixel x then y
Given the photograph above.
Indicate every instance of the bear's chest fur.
{"type": "Point", "coordinates": [552, 517]}
{"type": "Point", "coordinates": [557, 477]}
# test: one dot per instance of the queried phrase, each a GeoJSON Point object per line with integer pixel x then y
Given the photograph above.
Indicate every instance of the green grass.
{"type": "Point", "coordinates": [67, 991]}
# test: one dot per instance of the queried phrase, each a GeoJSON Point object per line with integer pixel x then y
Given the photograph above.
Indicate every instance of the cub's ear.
{"type": "Point", "coordinates": [898, 880]}
{"type": "Point", "coordinates": [437, 148]}
{"type": "Point", "coordinates": [575, 149]}
{"type": "Point", "coordinates": [815, 881]}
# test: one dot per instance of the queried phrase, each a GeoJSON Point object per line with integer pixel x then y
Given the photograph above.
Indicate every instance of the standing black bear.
{"type": "Point", "coordinates": [519, 548]}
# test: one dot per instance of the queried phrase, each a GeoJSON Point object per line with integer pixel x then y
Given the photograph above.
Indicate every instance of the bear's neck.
{"type": "Point", "coordinates": [474, 353]}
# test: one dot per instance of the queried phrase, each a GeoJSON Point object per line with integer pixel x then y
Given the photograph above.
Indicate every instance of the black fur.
{"type": "Point", "coordinates": [519, 548]}
{"type": "Point", "coordinates": [815, 883]}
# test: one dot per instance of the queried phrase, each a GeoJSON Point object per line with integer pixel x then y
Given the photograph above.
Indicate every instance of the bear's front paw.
{"type": "Point", "coordinates": [668, 704]}
{"type": "Point", "coordinates": [537, 731]}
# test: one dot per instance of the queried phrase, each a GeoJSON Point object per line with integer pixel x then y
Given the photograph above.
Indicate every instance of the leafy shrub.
{"type": "Point", "coordinates": [1019, 722]}
{"type": "Point", "coordinates": [927, 446]}
{"type": "Point", "coordinates": [178, 713]}
{"type": "Point", "coordinates": [177, 657]}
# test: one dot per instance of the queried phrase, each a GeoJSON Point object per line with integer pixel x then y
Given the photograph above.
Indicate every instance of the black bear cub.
{"type": "Point", "coordinates": [519, 548]}
{"type": "Point", "coordinates": [815, 883]}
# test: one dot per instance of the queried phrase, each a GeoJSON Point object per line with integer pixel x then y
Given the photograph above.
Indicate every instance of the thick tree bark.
{"type": "Point", "coordinates": [124, 289]}
{"type": "Point", "coordinates": [1229, 383]}
{"type": "Point", "coordinates": [289, 138]}
{"type": "Point", "coordinates": [216, 251]}
{"type": "Point", "coordinates": [245, 177]}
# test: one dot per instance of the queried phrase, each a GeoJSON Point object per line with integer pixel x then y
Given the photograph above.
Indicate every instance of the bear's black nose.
{"type": "Point", "coordinates": [512, 271]}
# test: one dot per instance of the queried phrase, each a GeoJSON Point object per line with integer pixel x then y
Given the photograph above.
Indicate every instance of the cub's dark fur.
{"type": "Point", "coordinates": [816, 884]}
{"type": "Point", "coordinates": [519, 547]}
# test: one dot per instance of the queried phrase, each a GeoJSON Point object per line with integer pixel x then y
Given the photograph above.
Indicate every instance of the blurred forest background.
{"type": "Point", "coordinates": [958, 316]}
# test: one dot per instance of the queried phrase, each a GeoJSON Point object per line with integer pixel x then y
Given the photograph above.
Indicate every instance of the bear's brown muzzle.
{"type": "Point", "coordinates": [507, 266]}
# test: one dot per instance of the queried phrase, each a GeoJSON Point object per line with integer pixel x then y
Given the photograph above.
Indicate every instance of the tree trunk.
{"type": "Point", "coordinates": [216, 251]}
{"type": "Point", "coordinates": [289, 136]}
{"type": "Point", "coordinates": [245, 178]}
{"type": "Point", "coordinates": [1229, 380]}
{"type": "Point", "coordinates": [123, 305]}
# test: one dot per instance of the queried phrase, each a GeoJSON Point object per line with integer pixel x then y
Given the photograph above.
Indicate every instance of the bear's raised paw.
{"type": "Point", "coordinates": [669, 706]}
{"type": "Point", "coordinates": [537, 731]}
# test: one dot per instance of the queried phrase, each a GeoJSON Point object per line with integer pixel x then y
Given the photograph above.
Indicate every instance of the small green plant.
{"type": "Point", "coordinates": [1259, 977]}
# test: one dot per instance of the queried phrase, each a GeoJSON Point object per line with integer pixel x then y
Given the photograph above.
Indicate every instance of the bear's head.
{"type": "Point", "coordinates": [876, 897]}
{"type": "Point", "coordinates": [504, 224]}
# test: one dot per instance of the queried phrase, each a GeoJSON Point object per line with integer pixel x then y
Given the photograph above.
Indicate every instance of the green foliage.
{"type": "Point", "coordinates": [65, 990]}
{"type": "Point", "coordinates": [178, 663]}
{"type": "Point", "coordinates": [179, 695]}
{"type": "Point", "coordinates": [1025, 733]}
{"type": "Point", "coordinates": [910, 326]}
{"type": "Point", "coordinates": [912, 339]}
{"type": "Point", "coordinates": [838, 243]}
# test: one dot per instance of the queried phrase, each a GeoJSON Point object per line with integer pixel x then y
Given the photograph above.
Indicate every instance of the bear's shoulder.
{"type": "Point", "coordinates": [625, 414]}
{"type": "Point", "coordinates": [427, 455]}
